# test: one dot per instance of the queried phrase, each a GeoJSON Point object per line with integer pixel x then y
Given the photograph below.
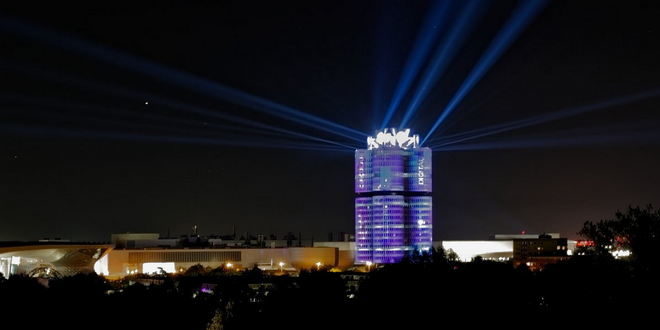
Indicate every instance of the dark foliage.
{"type": "Point", "coordinates": [637, 229]}
{"type": "Point", "coordinates": [424, 289]}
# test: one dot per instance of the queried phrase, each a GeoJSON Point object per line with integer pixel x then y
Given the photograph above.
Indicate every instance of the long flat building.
{"type": "Point", "coordinates": [122, 262]}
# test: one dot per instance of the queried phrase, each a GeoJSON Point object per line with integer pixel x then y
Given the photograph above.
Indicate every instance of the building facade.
{"type": "Point", "coordinates": [393, 202]}
{"type": "Point", "coordinates": [50, 258]}
{"type": "Point", "coordinates": [121, 262]}
{"type": "Point", "coordinates": [538, 252]}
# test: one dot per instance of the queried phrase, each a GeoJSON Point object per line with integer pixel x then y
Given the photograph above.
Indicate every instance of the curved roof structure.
{"type": "Point", "coordinates": [63, 259]}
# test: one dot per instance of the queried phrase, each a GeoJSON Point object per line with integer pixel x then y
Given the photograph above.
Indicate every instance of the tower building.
{"type": "Point", "coordinates": [392, 197]}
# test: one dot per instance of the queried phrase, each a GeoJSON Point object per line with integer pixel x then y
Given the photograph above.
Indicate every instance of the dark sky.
{"type": "Point", "coordinates": [335, 59]}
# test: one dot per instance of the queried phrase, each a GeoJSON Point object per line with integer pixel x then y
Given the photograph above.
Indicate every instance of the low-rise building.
{"type": "Point", "coordinates": [538, 252]}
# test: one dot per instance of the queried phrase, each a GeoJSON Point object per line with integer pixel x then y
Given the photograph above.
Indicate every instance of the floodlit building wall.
{"type": "Point", "coordinates": [467, 250]}
{"type": "Point", "coordinates": [346, 251]}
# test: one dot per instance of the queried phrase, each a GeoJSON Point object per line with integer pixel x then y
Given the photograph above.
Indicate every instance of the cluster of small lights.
{"type": "Point", "coordinates": [502, 259]}
{"type": "Point", "coordinates": [621, 253]}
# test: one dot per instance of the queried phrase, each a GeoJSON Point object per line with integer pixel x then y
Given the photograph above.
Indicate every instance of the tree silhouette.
{"type": "Point", "coordinates": [637, 229]}
{"type": "Point", "coordinates": [196, 270]}
{"type": "Point", "coordinates": [452, 255]}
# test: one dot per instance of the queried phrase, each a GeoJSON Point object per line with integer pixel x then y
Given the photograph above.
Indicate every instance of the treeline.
{"type": "Point", "coordinates": [423, 289]}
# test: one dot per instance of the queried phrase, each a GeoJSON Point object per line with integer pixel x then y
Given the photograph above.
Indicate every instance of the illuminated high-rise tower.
{"type": "Point", "coordinates": [392, 197]}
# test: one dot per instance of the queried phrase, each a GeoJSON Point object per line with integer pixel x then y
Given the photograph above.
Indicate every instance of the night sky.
{"type": "Point", "coordinates": [80, 160]}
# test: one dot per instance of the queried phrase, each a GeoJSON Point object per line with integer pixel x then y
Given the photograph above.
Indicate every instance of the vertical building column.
{"type": "Point", "coordinates": [363, 230]}
{"type": "Point", "coordinates": [418, 223]}
{"type": "Point", "coordinates": [388, 228]}
{"type": "Point", "coordinates": [363, 171]}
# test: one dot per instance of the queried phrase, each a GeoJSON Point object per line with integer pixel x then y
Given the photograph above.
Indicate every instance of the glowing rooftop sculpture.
{"type": "Point", "coordinates": [391, 138]}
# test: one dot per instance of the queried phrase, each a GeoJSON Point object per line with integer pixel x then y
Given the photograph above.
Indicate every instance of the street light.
{"type": "Point", "coordinates": [369, 263]}
{"type": "Point", "coordinates": [318, 265]}
{"type": "Point", "coordinates": [281, 265]}
{"type": "Point", "coordinates": [229, 265]}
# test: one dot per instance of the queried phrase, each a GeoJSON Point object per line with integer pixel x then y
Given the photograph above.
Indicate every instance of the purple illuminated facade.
{"type": "Point", "coordinates": [392, 197]}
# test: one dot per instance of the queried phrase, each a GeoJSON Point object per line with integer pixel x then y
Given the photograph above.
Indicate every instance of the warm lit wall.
{"type": "Point", "coordinates": [120, 261]}
{"type": "Point", "coordinates": [346, 253]}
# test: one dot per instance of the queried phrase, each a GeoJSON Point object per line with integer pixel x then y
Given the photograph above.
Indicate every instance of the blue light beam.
{"type": "Point", "coordinates": [444, 54]}
{"type": "Point", "coordinates": [87, 84]}
{"type": "Point", "coordinates": [549, 117]}
{"type": "Point", "coordinates": [48, 132]}
{"type": "Point", "coordinates": [431, 28]}
{"type": "Point", "coordinates": [564, 139]}
{"type": "Point", "coordinates": [179, 78]}
{"type": "Point", "coordinates": [520, 18]}
{"type": "Point", "coordinates": [177, 125]}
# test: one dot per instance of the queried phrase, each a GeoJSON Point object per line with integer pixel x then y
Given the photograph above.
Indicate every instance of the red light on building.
{"type": "Point", "coordinates": [585, 243]}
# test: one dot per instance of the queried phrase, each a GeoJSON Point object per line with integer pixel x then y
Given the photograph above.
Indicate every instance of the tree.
{"type": "Point", "coordinates": [637, 229]}
{"type": "Point", "coordinates": [196, 270]}
{"type": "Point", "coordinates": [216, 321]}
{"type": "Point", "coordinates": [452, 255]}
